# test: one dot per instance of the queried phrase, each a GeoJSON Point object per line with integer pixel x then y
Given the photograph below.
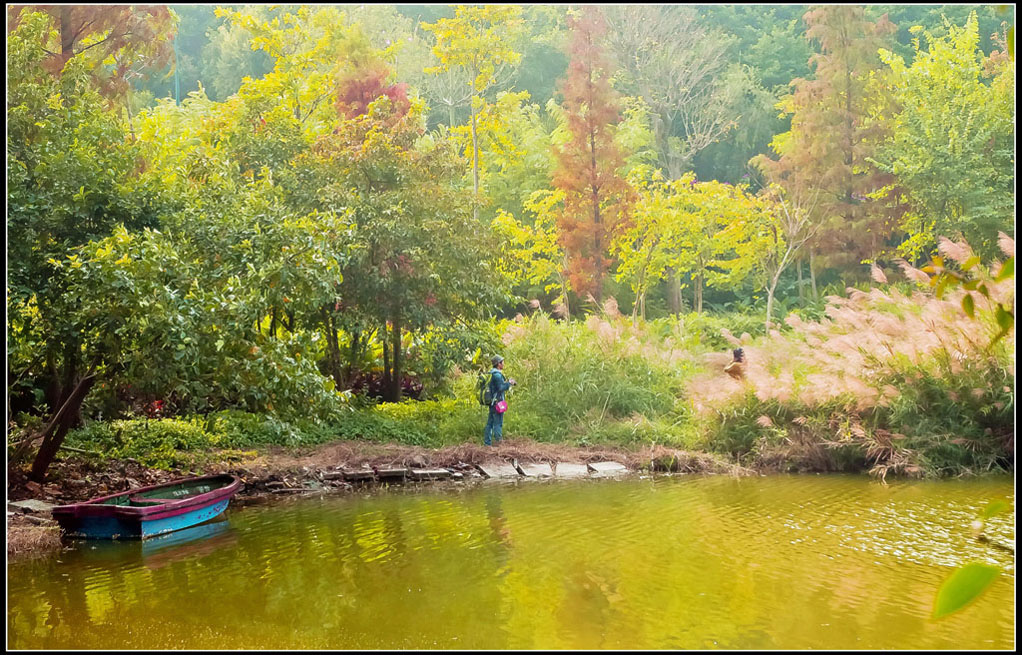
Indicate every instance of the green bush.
{"type": "Point", "coordinates": [957, 419]}
{"type": "Point", "coordinates": [704, 330]}
{"type": "Point", "coordinates": [153, 442]}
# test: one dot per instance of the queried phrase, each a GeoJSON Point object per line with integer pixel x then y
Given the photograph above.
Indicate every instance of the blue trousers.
{"type": "Point", "coordinates": [494, 426]}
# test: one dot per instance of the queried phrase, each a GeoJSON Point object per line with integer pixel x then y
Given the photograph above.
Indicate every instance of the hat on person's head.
{"type": "Point", "coordinates": [497, 359]}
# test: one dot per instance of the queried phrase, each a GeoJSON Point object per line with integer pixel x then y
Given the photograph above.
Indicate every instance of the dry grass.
{"type": "Point", "coordinates": [25, 538]}
{"type": "Point", "coordinates": [846, 353]}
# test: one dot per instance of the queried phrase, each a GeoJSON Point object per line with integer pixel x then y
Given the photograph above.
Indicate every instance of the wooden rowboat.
{"type": "Point", "coordinates": [148, 511]}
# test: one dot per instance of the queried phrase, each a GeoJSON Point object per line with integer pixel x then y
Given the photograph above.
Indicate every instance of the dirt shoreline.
{"type": "Point", "coordinates": [281, 471]}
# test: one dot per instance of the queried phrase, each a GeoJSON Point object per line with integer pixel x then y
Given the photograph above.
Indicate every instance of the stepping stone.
{"type": "Point", "coordinates": [541, 470]}
{"type": "Point", "coordinates": [332, 475]}
{"type": "Point", "coordinates": [430, 474]}
{"type": "Point", "coordinates": [498, 470]}
{"type": "Point", "coordinates": [359, 474]}
{"type": "Point", "coordinates": [31, 505]}
{"type": "Point", "coordinates": [607, 468]}
{"type": "Point", "coordinates": [393, 473]}
{"type": "Point", "coordinates": [566, 470]}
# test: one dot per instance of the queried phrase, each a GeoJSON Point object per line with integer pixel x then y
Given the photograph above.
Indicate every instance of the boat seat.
{"type": "Point", "coordinates": [148, 501]}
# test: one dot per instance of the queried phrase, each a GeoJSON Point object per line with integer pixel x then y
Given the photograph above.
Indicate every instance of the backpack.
{"type": "Point", "coordinates": [483, 391]}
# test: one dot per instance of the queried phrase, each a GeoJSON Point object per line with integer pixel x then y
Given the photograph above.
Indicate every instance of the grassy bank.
{"type": "Point", "coordinates": [887, 381]}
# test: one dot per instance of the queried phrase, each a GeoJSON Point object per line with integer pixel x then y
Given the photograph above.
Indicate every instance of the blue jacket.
{"type": "Point", "coordinates": [498, 385]}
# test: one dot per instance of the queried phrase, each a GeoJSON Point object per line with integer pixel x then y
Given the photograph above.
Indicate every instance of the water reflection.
{"type": "Point", "coordinates": [783, 562]}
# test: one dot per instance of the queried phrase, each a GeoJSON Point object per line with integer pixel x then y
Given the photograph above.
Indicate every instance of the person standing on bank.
{"type": "Point", "coordinates": [498, 385]}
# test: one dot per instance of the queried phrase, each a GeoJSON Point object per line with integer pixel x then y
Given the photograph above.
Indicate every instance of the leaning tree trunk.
{"type": "Point", "coordinates": [54, 433]}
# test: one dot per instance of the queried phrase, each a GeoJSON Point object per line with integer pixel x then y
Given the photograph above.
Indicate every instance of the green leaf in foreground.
{"type": "Point", "coordinates": [1007, 270]}
{"type": "Point", "coordinates": [994, 508]}
{"type": "Point", "coordinates": [969, 305]}
{"type": "Point", "coordinates": [962, 587]}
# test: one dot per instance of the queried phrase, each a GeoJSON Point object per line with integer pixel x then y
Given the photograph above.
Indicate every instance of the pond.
{"type": "Point", "coordinates": [790, 562]}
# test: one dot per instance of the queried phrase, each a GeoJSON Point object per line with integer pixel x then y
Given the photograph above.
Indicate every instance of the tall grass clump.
{"type": "Point", "coordinates": [906, 382]}
{"type": "Point", "coordinates": [598, 381]}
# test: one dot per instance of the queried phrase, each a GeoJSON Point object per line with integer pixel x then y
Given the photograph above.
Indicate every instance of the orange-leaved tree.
{"type": "Point", "coordinates": [587, 170]}
{"type": "Point", "coordinates": [829, 143]}
{"type": "Point", "coordinates": [127, 35]}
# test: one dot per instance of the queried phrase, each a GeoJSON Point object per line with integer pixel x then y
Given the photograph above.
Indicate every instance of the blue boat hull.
{"type": "Point", "coordinates": [110, 527]}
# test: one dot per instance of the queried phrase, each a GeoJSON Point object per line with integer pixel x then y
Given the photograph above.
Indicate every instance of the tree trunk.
{"type": "Point", "coordinates": [564, 294]}
{"type": "Point", "coordinates": [475, 165]}
{"type": "Point", "coordinates": [699, 293]}
{"type": "Point", "coordinates": [770, 299]}
{"type": "Point", "coordinates": [335, 349]}
{"type": "Point", "coordinates": [56, 430]}
{"type": "Point", "coordinates": [395, 380]}
{"type": "Point", "coordinates": [386, 358]}
{"type": "Point", "coordinates": [598, 241]}
{"type": "Point", "coordinates": [673, 292]}
{"type": "Point", "coordinates": [800, 294]}
{"type": "Point", "coordinates": [812, 274]}
{"type": "Point", "coordinates": [66, 35]}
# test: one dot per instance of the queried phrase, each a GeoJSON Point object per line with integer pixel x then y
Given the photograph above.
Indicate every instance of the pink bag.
{"type": "Point", "coordinates": [500, 407]}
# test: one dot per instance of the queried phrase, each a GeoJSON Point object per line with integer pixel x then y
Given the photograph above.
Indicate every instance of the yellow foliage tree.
{"type": "Point", "coordinates": [479, 40]}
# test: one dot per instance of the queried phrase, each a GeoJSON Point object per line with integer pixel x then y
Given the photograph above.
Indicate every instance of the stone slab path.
{"type": "Point", "coordinates": [568, 470]}
{"type": "Point", "coordinates": [607, 468]}
{"type": "Point", "coordinates": [541, 470]}
{"type": "Point", "coordinates": [498, 470]}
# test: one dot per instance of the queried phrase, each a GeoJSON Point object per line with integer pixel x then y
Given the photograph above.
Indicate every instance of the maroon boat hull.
{"type": "Point", "coordinates": [146, 511]}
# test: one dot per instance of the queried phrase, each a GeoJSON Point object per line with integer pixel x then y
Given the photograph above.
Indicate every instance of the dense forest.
{"type": "Point", "coordinates": [289, 224]}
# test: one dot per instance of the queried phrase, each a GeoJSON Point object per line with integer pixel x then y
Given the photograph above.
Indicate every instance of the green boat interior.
{"type": "Point", "coordinates": [164, 494]}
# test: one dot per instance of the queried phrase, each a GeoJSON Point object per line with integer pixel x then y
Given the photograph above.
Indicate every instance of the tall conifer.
{"type": "Point", "coordinates": [595, 195]}
{"type": "Point", "coordinates": [826, 150]}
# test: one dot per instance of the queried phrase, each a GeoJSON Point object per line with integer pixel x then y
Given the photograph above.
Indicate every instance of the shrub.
{"type": "Point", "coordinates": [157, 443]}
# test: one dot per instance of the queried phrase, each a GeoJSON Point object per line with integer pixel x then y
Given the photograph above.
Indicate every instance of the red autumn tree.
{"type": "Point", "coordinates": [365, 79]}
{"type": "Point", "coordinates": [825, 154]}
{"type": "Point", "coordinates": [134, 35]}
{"type": "Point", "coordinates": [595, 195]}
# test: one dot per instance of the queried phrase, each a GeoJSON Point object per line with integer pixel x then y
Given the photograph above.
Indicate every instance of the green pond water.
{"type": "Point", "coordinates": [790, 562]}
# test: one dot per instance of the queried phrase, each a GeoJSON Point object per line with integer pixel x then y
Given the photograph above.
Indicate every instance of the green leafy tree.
{"type": "Point", "coordinates": [713, 231]}
{"type": "Point", "coordinates": [532, 254]}
{"type": "Point", "coordinates": [480, 41]}
{"type": "Point", "coordinates": [419, 257]}
{"type": "Point", "coordinates": [952, 145]}
{"type": "Point", "coordinates": [72, 177]}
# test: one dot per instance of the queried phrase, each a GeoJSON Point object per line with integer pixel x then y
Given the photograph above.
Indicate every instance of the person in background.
{"type": "Point", "coordinates": [736, 368]}
{"type": "Point", "coordinates": [498, 385]}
